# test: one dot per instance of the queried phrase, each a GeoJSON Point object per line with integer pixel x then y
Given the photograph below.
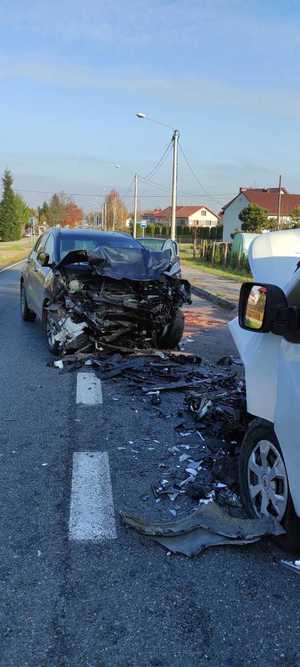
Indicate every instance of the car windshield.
{"type": "Point", "coordinates": [153, 244]}
{"type": "Point", "coordinates": [79, 242]}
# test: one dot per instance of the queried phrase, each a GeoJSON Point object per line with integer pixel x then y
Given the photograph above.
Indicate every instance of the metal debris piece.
{"type": "Point", "coordinates": [212, 517]}
{"type": "Point", "coordinates": [293, 565]}
{"type": "Point", "coordinates": [197, 541]}
{"type": "Point", "coordinates": [207, 526]}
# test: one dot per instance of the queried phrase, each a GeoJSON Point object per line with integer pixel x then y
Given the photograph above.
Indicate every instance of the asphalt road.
{"type": "Point", "coordinates": [122, 602]}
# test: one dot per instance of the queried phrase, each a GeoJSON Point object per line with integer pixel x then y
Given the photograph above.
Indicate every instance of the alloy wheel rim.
{"type": "Point", "coordinates": [267, 481]}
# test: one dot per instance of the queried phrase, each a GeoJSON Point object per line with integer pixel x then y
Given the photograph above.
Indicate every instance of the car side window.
{"type": "Point", "coordinates": [169, 246]}
{"type": "Point", "coordinates": [38, 244]}
{"type": "Point", "coordinates": [49, 246]}
{"type": "Point", "coordinates": [175, 248]}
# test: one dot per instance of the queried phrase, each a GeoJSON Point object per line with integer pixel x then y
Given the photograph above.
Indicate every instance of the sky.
{"type": "Point", "coordinates": [223, 72]}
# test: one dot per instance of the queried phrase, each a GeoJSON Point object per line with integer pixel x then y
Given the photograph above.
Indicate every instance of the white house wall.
{"type": "Point", "coordinates": [208, 220]}
{"type": "Point", "coordinates": [231, 220]}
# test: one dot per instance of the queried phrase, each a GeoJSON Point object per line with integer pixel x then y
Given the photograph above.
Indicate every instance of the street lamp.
{"type": "Point", "coordinates": [175, 138]}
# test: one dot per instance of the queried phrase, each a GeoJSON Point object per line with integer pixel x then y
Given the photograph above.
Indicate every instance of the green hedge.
{"type": "Point", "coordinates": [184, 232]}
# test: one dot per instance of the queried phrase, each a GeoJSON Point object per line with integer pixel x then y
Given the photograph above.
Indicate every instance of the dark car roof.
{"type": "Point", "coordinates": [62, 231]}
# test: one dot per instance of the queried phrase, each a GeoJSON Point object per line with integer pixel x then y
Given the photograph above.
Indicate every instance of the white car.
{"type": "Point", "coordinates": [267, 334]}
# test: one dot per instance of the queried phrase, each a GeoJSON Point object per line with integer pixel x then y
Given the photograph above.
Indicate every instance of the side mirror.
{"type": "Point", "coordinates": [43, 258]}
{"type": "Point", "coordinates": [263, 308]}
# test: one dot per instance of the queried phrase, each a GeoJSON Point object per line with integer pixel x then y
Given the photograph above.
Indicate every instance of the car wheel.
{"type": "Point", "coordinates": [264, 481]}
{"type": "Point", "coordinates": [172, 336]}
{"type": "Point", "coordinates": [49, 329]}
{"type": "Point", "coordinates": [27, 315]}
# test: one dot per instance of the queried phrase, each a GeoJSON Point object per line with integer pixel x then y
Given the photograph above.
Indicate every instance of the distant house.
{"type": "Point", "coordinates": [188, 216]}
{"type": "Point", "coordinates": [151, 215]}
{"type": "Point", "coordinates": [267, 198]}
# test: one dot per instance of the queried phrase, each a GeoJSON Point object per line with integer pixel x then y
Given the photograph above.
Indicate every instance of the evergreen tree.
{"type": "Point", "coordinates": [22, 216]}
{"type": "Point", "coordinates": [10, 227]}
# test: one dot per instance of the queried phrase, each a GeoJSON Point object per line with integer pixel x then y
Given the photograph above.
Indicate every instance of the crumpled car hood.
{"type": "Point", "coordinates": [137, 264]}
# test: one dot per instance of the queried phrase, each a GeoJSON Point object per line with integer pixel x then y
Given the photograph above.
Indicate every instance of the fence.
{"type": "Point", "coordinates": [219, 253]}
{"type": "Point", "coordinates": [184, 233]}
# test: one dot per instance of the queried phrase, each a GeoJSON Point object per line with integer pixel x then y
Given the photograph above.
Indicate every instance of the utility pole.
{"type": "Point", "coordinates": [105, 216]}
{"type": "Point", "coordinates": [135, 200]}
{"type": "Point", "coordinates": [279, 204]}
{"type": "Point", "coordinates": [174, 183]}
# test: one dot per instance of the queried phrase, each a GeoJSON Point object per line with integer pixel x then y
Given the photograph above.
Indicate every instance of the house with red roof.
{"type": "Point", "coordinates": [188, 216]}
{"type": "Point", "coordinates": [267, 198]}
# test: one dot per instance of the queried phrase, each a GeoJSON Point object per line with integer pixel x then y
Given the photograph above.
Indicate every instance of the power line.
{"type": "Point", "coordinates": [159, 163]}
{"type": "Point", "coordinates": [158, 185]}
{"type": "Point", "coordinates": [192, 171]}
{"type": "Point", "coordinates": [125, 194]}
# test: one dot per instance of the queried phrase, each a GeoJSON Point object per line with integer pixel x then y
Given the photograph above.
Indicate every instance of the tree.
{"type": "Point", "coordinates": [253, 218]}
{"type": "Point", "coordinates": [22, 214]}
{"type": "Point", "coordinates": [295, 217]}
{"type": "Point", "coordinates": [43, 213]}
{"type": "Point", "coordinates": [56, 210]}
{"type": "Point", "coordinates": [116, 211]}
{"type": "Point", "coordinates": [272, 224]}
{"type": "Point", "coordinates": [73, 215]}
{"type": "Point", "coordinates": [62, 211]}
{"type": "Point", "coordinates": [10, 227]}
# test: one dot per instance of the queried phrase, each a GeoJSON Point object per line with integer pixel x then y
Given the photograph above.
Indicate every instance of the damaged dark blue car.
{"type": "Point", "coordinates": [100, 290]}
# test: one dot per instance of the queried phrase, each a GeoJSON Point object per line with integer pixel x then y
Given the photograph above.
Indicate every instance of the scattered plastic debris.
{"type": "Point", "coordinates": [293, 565]}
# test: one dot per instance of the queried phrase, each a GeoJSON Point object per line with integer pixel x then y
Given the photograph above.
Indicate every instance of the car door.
{"type": "Point", "coordinates": [43, 273]}
{"type": "Point", "coordinates": [30, 278]}
{"type": "Point", "coordinates": [38, 274]}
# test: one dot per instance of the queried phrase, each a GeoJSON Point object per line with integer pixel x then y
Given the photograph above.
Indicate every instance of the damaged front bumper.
{"type": "Point", "coordinates": [91, 308]}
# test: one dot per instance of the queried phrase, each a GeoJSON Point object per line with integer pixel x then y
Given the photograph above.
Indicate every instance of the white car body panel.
{"type": "Point", "coordinates": [272, 365]}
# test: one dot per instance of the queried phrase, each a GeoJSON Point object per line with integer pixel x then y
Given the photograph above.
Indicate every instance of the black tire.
{"type": "Point", "coordinates": [53, 346]}
{"type": "Point", "coordinates": [262, 430]}
{"type": "Point", "coordinates": [173, 335]}
{"type": "Point", "coordinates": [27, 314]}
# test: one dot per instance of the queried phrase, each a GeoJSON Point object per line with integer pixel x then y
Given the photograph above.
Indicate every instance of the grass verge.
{"type": "Point", "coordinates": [13, 251]}
{"type": "Point", "coordinates": [230, 274]}
{"type": "Point", "coordinates": [187, 259]}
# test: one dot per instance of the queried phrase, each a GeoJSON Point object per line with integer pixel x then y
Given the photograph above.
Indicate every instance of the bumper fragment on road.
{"type": "Point", "coordinates": [92, 516]}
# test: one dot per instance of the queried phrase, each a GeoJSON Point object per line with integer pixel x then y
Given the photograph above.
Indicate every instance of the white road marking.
{"type": "Point", "coordinates": [89, 389]}
{"type": "Point", "coordinates": [6, 268]}
{"type": "Point", "coordinates": [92, 516]}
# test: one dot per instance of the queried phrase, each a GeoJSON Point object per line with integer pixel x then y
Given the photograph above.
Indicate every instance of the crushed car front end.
{"type": "Point", "coordinates": [123, 298]}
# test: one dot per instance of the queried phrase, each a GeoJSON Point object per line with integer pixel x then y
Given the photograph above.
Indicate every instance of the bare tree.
{"type": "Point", "coordinates": [116, 211]}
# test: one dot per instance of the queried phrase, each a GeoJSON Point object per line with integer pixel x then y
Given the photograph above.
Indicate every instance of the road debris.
{"type": "Point", "coordinates": [209, 525]}
{"type": "Point", "coordinates": [293, 565]}
{"type": "Point", "coordinates": [213, 419]}
{"type": "Point", "coordinates": [126, 297]}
